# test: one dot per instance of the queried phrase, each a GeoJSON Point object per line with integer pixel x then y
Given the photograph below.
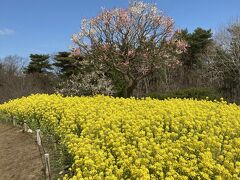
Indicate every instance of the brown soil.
{"type": "Point", "coordinates": [20, 158]}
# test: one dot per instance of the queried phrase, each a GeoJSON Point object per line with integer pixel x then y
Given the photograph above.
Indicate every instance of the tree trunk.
{"type": "Point", "coordinates": [146, 85]}
{"type": "Point", "coordinates": [131, 84]}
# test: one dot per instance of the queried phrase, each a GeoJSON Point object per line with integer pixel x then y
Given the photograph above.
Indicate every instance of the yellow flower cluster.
{"type": "Point", "coordinates": [117, 138]}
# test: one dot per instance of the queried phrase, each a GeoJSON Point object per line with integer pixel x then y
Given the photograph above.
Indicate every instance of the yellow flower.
{"type": "Point", "coordinates": [117, 138]}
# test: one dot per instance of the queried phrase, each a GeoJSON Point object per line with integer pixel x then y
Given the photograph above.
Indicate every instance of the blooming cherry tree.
{"type": "Point", "coordinates": [134, 41]}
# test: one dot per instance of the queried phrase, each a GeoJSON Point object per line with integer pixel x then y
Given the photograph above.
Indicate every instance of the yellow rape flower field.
{"type": "Point", "coordinates": [117, 138]}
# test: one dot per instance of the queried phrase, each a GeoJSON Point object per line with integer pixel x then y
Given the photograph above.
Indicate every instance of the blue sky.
{"type": "Point", "coordinates": [46, 26]}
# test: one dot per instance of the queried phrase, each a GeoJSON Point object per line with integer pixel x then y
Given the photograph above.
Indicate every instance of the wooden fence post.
{"type": "Point", "coordinates": [25, 128]}
{"type": "Point", "coordinates": [38, 137]}
{"type": "Point", "coordinates": [47, 164]}
{"type": "Point", "coordinates": [14, 121]}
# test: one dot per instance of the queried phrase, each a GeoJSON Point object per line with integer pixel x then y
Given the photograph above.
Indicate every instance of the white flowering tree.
{"type": "Point", "coordinates": [134, 41]}
{"type": "Point", "coordinates": [88, 84]}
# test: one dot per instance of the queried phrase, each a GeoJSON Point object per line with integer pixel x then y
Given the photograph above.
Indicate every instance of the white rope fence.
{"type": "Point", "coordinates": [46, 161]}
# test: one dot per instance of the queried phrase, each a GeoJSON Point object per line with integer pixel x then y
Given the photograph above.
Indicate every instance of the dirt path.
{"type": "Point", "coordinates": [19, 155]}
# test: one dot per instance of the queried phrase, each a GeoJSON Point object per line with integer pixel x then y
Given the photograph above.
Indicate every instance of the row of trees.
{"type": "Point", "coordinates": [15, 82]}
{"type": "Point", "coordinates": [136, 51]}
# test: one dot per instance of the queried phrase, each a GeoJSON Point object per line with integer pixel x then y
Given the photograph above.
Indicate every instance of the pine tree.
{"type": "Point", "coordinates": [197, 42]}
{"type": "Point", "coordinates": [191, 60]}
{"type": "Point", "coordinates": [66, 64]}
{"type": "Point", "coordinates": [39, 64]}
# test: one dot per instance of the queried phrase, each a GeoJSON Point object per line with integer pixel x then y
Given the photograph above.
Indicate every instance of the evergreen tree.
{"type": "Point", "coordinates": [39, 64]}
{"type": "Point", "coordinates": [191, 60]}
{"type": "Point", "coordinates": [197, 42]}
{"type": "Point", "coordinates": [66, 64]}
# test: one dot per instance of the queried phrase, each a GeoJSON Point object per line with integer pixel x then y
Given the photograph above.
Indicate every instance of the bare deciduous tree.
{"type": "Point", "coordinates": [224, 60]}
{"type": "Point", "coordinates": [14, 83]}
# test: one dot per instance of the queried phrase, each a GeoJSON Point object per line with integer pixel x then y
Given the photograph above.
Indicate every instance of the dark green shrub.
{"type": "Point", "coordinates": [195, 93]}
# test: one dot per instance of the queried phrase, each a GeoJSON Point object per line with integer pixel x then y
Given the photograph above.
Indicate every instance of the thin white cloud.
{"type": "Point", "coordinates": [6, 31]}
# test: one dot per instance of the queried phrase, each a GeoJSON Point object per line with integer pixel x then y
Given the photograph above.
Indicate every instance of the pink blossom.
{"type": "Point", "coordinates": [182, 45]}
{"type": "Point", "coordinates": [122, 18]}
{"type": "Point", "coordinates": [106, 16]}
{"type": "Point", "coordinates": [145, 55]}
{"type": "Point", "coordinates": [76, 52]}
{"type": "Point", "coordinates": [120, 29]}
{"type": "Point", "coordinates": [105, 46]}
{"type": "Point", "coordinates": [93, 21]}
{"type": "Point", "coordinates": [75, 38]}
{"type": "Point", "coordinates": [130, 52]}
